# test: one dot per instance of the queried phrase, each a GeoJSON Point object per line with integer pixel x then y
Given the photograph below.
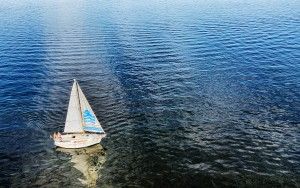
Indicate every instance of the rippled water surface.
{"type": "Point", "coordinates": [191, 93]}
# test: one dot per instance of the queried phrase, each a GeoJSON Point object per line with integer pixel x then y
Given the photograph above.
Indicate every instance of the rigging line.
{"type": "Point", "coordinates": [79, 103]}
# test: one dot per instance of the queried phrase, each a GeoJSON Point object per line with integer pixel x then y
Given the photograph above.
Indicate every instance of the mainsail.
{"type": "Point", "coordinates": [74, 119]}
{"type": "Point", "coordinates": [80, 116]}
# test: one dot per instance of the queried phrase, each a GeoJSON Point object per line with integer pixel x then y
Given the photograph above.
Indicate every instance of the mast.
{"type": "Point", "coordinates": [80, 110]}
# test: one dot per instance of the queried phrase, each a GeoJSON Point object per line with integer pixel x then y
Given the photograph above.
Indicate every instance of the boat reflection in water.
{"type": "Point", "coordinates": [89, 161]}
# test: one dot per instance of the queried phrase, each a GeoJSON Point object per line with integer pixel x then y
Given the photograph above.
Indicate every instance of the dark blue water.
{"type": "Point", "coordinates": [191, 93]}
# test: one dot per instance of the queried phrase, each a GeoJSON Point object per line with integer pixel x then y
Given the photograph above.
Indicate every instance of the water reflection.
{"type": "Point", "coordinates": [89, 161]}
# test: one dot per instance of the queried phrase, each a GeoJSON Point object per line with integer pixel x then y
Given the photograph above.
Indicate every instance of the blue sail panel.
{"type": "Point", "coordinates": [93, 129]}
{"type": "Point", "coordinates": [90, 122]}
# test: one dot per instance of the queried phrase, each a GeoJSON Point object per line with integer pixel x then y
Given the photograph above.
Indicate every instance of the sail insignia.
{"type": "Point", "coordinates": [89, 118]}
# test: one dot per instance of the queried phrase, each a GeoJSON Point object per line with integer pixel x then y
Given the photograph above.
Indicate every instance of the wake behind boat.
{"type": "Point", "coordinates": [82, 128]}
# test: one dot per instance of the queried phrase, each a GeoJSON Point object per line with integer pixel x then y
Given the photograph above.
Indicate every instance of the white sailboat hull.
{"type": "Point", "coordinates": [82, 128]}
{"type": "Point", "coordinates": [77, 140]}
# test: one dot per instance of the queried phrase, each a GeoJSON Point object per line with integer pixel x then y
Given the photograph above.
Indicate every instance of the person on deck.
{"type": "Point", "coordinates": [54, 136]}
{"type": "Point", "coordinates": [59, 136]}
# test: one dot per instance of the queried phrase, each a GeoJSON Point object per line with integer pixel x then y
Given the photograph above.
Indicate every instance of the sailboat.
{"type": "Point", "coordinates": [82, 128]}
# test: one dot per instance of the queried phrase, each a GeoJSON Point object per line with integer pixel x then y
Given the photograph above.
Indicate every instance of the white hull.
{"type": "Point", "coordinates": [76, 140]}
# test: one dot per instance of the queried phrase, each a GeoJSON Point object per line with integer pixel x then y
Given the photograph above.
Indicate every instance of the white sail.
{"type": "Point", "coordinates": [90, 121]}
{"type": "Point", "coordinates": [74, 118]}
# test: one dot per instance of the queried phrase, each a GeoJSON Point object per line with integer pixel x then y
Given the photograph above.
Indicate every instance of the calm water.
{"type": "Point", "coordinates": [191, 93]}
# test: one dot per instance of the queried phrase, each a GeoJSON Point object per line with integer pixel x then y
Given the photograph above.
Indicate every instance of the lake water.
{"type": "Point", "coordinates": [191, 93]}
